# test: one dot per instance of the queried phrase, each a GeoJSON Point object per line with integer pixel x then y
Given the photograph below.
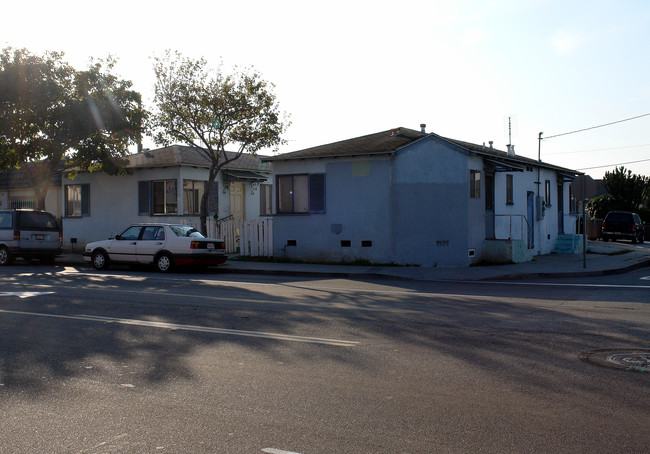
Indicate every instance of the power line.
{"type": "Point", "coordinates": [598, 149]}
{"type": "Point", "coordinates": [614, 165]}
{"type": "Point", "coordinates": [595, 127]}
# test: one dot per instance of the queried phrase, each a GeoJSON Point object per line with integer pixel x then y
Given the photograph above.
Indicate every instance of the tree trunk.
{"type": "Point", "coordinates": [206, 196]}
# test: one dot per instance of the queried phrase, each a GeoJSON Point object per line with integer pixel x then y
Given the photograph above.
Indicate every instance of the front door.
{"type": "Point", "coordinates": [530, 200]}
{"type": "Point", "coordinates": [489, 206]}
{"type": "Point", "coordinates": [237, 202]}
{"type": "Point", "coordinates": [560, 208]}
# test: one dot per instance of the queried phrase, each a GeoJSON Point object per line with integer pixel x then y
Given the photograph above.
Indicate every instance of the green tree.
{"type": "Point", "coordinates": [627, 190]}
{"type": "Point", "coordinates": [55, 118]}
{"type": "Point", "coordinates": [211, 111]}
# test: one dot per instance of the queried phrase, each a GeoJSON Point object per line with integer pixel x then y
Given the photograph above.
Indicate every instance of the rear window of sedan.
{"type": "Point", "coordinates": [621, 218]}
{"type": "Point", "coordinates": [185, 231]}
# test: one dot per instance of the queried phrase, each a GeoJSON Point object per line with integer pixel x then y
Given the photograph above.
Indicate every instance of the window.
{"type": "Point", "coordinates": [475, 184]}
{"type": "Point", "coordinates": [301, 193]}
{"type": "Point", "coordinates": [77, 200]}
{"type": "Point", "coordinates": [192, 193]}
{"type": "Point", "coordinates": [509, 190]}
{"type": "Point", "coordinates": [266, 207]}
{"type": "Point", "coordinates": [157, 197]}
{"type": "Point", "coordinates": [547, 193]}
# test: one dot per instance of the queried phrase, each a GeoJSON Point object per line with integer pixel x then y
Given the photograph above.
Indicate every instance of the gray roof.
{"type": "Point", "coordinates": [181, 155]}
{"type": "Point", "coordinates": [384, 142]}
{"type": "Point", "coordinates": [392, 141]}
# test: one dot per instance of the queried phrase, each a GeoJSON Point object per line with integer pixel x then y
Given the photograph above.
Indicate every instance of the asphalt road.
{"type": "Point", "coordinates": [132, 361]}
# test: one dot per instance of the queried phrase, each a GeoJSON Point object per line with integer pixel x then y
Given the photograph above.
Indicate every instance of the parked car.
{"type": "Point", "coordinates": [29, 234]}
{"type": "Point", "coordinates": [623, 225]}
{"type": "Point", "coordinates": [163, 245]}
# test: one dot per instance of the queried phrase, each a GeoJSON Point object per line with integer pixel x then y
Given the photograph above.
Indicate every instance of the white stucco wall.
{"type": "Point", "coordinates": [512, 220]}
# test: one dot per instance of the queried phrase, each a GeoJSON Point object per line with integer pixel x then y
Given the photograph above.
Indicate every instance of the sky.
{"type": "Point", "coordinates": [342, 69]}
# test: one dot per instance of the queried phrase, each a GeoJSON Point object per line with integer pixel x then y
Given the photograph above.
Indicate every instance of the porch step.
{"type": "Point", "coordinates": [568, 244]}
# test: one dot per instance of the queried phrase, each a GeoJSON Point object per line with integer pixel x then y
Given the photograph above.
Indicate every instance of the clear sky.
{"type": "Point", "coordinates": [344, 69]}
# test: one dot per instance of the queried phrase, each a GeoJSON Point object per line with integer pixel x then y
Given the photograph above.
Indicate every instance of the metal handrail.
{"type": "Point", "coordinates": [524, 220]}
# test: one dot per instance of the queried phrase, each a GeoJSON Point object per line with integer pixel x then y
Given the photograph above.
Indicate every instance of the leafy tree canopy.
{"type": "Point", "coordinates": [213, 111]}
{"type": "Point", "coordinates": [626, 191]}
{"type": "Point", "coordinates": [53, 117]}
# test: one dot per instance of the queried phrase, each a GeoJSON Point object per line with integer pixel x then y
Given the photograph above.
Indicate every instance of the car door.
{"type": "Point", "coordinates": [123, 248]}
{"type": "Point", "coordinates": [151, 241]}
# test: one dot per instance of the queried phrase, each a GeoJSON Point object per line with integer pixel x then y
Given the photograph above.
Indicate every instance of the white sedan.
{"type": "Point", "coordinates": [163, 245]}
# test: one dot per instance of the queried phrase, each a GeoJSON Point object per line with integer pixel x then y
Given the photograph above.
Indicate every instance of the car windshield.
{"type": "Point", "coordinates": [184, 231]}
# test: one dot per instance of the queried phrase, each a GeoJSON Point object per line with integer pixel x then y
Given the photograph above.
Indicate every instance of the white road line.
{"type": "Point", "coordinates": [553, 284]}
{"type": "Point", "coordinates": [277, 451]}
{"type": "Point", "coordinates": [195, 328]}
{"type": "Point", "coordinates": [22, 295]}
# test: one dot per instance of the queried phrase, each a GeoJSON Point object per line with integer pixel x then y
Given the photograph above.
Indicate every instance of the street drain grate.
{"type": "Point", "coordinates": [634, 360]}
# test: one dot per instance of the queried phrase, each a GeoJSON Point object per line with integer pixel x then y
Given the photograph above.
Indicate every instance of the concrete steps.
{"type": "Point", "coordinates": [568, 244]}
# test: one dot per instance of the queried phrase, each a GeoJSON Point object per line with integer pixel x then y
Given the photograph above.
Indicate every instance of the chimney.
{"type": "Point", "coordinates": [491, 142]}
{"type": "Point", "coordinates": [394, 132]}
{"type": "Point", "coordinates": [423, 128]}
{"type": "Point", "coordinates": [511, 150]}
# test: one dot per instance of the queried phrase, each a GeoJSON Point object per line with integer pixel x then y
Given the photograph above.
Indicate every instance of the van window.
{"type": "Point", "coordinates": [5, 220]}
{"type": "Point", "coordinates": [38, 221]}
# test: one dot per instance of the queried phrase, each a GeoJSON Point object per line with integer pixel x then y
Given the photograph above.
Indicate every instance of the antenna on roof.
{"type": "Point", "coordinates": [512, 125]}
{"type": "Point", "coordinates": [509, 130]}
{"type": "Point", "coordinates": [511, 148]}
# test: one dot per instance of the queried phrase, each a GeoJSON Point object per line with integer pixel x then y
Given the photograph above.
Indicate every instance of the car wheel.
{"type": "Point", "coordinates": [164, 262]}
{"type": "Point", "coordinates": [5, 256]}
{"type": "Point", "coordinates": [100, 260]}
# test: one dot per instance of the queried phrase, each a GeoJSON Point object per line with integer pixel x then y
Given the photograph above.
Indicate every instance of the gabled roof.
{"type": "Point", "coordinates": [181, 155]}
{"type": "Point", "coordinates": [501, 157]}
{"type": "Point", "coordinates": [380, 143]}
{"type": "Point", "coordinates": [392, 141]}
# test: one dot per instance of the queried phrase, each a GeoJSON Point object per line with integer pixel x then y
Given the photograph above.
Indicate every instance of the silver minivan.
{"type": "Point", "coordinates": [29, 234]}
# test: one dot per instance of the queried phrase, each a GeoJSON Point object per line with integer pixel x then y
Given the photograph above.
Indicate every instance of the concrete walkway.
{"type": "Point", "coordinates": [601, 258]}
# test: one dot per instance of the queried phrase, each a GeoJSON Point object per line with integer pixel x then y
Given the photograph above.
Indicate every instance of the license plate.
{"type": "Point", "coordinates": [39, 237]}
{"type": "Point", "coordinates": [210, 245]}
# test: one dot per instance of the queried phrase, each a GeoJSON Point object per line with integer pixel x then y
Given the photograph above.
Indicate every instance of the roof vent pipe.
{"type": "Point", "coordinates": [423, 128]}
{"type": "Point", "coordinates": [491, 142]}
{"type": "Point", "coordinates": [511, 150]}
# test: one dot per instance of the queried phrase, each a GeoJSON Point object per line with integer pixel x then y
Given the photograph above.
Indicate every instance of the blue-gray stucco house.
{"type": "Point", "coordinates": [408, 197]}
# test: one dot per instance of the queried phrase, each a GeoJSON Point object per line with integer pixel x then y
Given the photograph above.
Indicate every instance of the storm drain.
{"type": "Point", "coordinates": [634, 360]}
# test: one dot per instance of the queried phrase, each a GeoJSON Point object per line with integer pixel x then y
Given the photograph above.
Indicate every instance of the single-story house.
{"type": "Point", "coordinates": [16, 192]}
{"type": "Point", "coordinates": [161, 185]}
{"type": "Point", "coordinates": [409, 197]}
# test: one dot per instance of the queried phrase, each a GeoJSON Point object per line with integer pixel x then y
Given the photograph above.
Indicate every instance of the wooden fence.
{"type": "Point", "coordinates": [249, 238]}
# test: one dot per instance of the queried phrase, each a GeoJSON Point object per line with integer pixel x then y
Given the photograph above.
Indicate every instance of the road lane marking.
{"type": "Point", "coordinates": [24, 294]}
{"type": "Point", "coordinates": [277, 451]}
{"type": "Point", "coordinates": [553, 284]}
{"type": "Point", "coordinates": [194, 328]}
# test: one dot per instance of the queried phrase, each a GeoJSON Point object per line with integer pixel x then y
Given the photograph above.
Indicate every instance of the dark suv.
{"type": "Point", "coordinates": [623, 225]}
{"type": "Point", "coordinates": [29, 234]}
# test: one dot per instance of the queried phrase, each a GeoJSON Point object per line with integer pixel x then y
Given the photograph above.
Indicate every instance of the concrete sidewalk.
{"type": "Point", "coordinates": [601, 259]}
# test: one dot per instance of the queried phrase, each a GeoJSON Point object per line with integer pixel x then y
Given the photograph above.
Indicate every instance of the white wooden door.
{"type": "Point", "coordinates": [237, 202]}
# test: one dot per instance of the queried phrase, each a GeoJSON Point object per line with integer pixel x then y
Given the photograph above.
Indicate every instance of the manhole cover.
{"type": "Point", "coordinates": [635, 360]}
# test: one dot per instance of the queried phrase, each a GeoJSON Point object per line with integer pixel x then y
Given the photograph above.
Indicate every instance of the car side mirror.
{"type": "Point", "coordinates": [117, 237]}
